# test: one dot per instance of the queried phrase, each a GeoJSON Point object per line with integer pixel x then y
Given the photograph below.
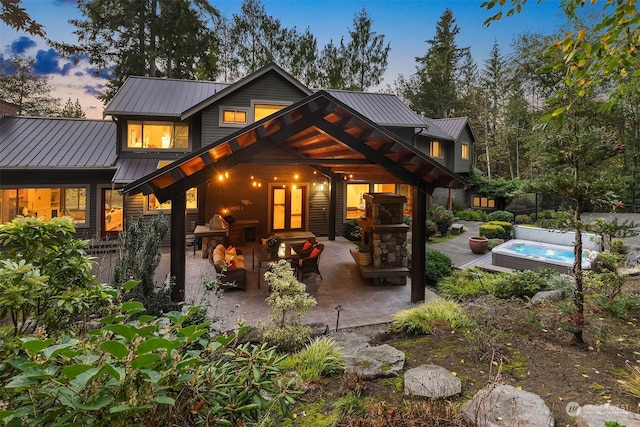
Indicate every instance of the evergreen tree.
{"type": "Point", "coordinates": [73, 110]}
{"type": "Point", "coordinates": [29, 92]}
{"type": "Point", "coordinates": [144, 37]}
{"type": "Point", "coordinates": [434, 90]}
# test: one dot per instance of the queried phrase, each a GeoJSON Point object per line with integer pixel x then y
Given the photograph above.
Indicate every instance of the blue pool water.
{"type": "Point", "coordinates": [561, 255]}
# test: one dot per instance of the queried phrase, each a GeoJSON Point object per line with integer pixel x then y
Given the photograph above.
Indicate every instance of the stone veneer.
{"type": "Point", "coordinates": [384, 231]}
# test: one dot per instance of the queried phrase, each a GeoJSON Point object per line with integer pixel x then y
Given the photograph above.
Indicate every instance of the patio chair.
{"type": "Point", "coordinates": [303, 250]}
{"type": "Point", "coordinates": [310, 263]}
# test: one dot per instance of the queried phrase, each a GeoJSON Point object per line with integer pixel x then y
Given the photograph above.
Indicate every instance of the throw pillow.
{"type": "Point", "coordinates": [230, 252]}
{"type": "Point", "coordinates": [307, 245]}
{"type": "Point", "coordinates": [314, 253]}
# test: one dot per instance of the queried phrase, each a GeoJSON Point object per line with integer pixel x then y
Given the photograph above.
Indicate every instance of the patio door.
{"type": "Point", "coordinates": [111, 214]}
{"type": "Point", "coordinates": [288, 208]}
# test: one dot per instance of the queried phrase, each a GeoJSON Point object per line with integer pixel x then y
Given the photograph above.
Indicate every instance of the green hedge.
{"type": "Point", "coordinates": [508, 227]}
{"type": "Point", "coordinates": [471, 215]}
{"type": "Point", "coordinates": [496, 230]}
{"type": "Point", "coordinates": [500, 216]}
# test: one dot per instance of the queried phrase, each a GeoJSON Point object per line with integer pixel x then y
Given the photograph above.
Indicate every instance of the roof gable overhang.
{"type": "Point", "coordinates": [318, 131]}
{"type": "Point", "coordinates": [244, 82]}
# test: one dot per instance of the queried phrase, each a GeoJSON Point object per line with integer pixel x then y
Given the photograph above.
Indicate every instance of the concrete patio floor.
{"type": "Point", "coordinates": [362, 302]}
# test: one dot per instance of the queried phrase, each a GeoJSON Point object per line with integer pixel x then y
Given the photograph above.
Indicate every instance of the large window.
{"type": "Point", "coordinates": [153, 205]}
{"type": "Point", "coordinates": [435, 149]}
{"type": "Point", "coordinates": [45, 203]}
{"type": "Point", "coordinates": [260, 111]}
{"type": "Point", "coordinates": [465, 151]}
{"type": "Point", "coordinates": [355, 201]}
{"type": "Point", "coordinates": [157, 135]}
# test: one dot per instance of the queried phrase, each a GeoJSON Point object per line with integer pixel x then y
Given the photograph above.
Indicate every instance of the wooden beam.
{"type": "Point", "coordinates": [418, 250]}
{"type": "Point", "coordinates": [178, 231]}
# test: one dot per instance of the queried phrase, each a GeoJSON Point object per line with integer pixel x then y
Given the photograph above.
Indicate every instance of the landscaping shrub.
{"type": "Point", "coordinates": [492, 231]}
{"type": "Point", "coordinates": [352, 230]}
{"type": "Point", "coordinates": [606, 262]}
{"type": "Point", "coordinates": [547, 214]}
{"type": "Point", "coordinates": [463, 284]}
{"type": "Point", "coordinates": [507, 226]}
{"type": "Point", "coordinates": [438, 266]}
{"type": "Point", "coordinates": [623, 307]}
{"type": "Point", "coordinates": [443, 218]}
{"type": "Point", "coordinates": [46, 278]}
{"type": "Point", "coordinates": [523, 219]}
{"type": "Point", "coordinates": [471, 215]}
{"type": "Point", "coordinates": [500, 216]}
{"type": "Point", "coordinates": [139, 254]}
{"type": "Point", "coordinates": [618, 247]}
{"type": "Point", "coordinates": [430, 229]}
{"type": "Point", "coordinates": [425, 318]}
{"type": "Point", "coordinates": [289, 302]}
{"type": "Point", "coordinates": [148, 371]}
{"type": "Point", "coordinates": [523, 284]}
{"type": "Point", "coordinates": [320, 358]}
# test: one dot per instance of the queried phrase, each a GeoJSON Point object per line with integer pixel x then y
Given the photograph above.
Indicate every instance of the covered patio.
{"type": "Point", "coordinates": [319, 131]}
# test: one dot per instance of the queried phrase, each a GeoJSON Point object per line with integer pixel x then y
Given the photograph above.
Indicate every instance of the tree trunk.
{"type": "Point", "coordinates": [578, 293]}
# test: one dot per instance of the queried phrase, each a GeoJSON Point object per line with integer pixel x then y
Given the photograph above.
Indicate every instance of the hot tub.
{"type": "Point", "coordinates": [529, 255]}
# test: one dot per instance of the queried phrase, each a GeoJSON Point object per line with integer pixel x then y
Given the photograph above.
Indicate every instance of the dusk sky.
{"type": "Point", "coordinates": [405, 24]}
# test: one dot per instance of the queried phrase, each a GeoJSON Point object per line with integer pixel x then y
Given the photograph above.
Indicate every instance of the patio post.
{"type": "Point", "coordinates": [333, 200]}
{"type": "Point", "coordinates": [418, 239]}
{"type": "Point", "coordinates": [178, 245]}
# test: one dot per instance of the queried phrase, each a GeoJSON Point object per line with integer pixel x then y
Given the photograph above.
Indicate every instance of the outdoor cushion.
{"type": "Point", "coordinates": [307, 245]}
{"type": "Point", "coordinates": [314, 253]}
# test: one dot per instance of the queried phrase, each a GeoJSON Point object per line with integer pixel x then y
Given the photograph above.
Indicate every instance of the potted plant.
{"type": "Point", "coordinates": [478, 244]}
{"type": "Point", "coordinates": [364, 254]}
{"type": "Point", "coordinates": [273, 244]}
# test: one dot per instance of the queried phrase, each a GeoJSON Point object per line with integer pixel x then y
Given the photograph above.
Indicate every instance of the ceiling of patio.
{"type": "Point", "coordinates": [319, 131]}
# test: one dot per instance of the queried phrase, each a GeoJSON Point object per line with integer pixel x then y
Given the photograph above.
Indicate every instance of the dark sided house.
{"type": "Point", "coordinates": [266, 150]}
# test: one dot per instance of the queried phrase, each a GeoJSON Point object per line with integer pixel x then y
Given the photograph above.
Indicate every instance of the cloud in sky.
{"type": "Point", "coordinates": [21, 45]}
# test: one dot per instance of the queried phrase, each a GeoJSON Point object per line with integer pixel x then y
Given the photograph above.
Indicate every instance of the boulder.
{"type": "Point", "coordinates": [505, 406]}
{"type": "Point", "coordinates": [431, 381]}
{"type": "Point", "coordinates": [633, 258]}
{"type": "Point", "coordinates": [375, 362]}
{"type": "Point", "coordinates": [546, 296]}
{"type": "Point", "coordinates": [597, 415]}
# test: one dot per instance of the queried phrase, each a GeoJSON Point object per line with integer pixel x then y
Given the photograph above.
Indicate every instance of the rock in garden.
{"type": "Point", "coordinates": [633, 258]}
{"type": "Point", "coordinates": [431, 381]}
{"type": "Point", "coordinates": [376, 362]}
{"type": "Point", "coordinates": [597, 415]}
{"type": "Point", "coordinates": [546, 296]}
{"type": "Point", "coordinates": [505, 406]}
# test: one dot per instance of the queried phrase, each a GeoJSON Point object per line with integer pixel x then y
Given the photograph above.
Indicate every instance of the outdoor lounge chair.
{"type": "Point", "coordinates": [310, 263]}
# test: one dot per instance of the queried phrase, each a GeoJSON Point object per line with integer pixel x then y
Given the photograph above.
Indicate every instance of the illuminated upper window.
{"type": "Point", "coordinates": [435, 149]}
{"type": "Point", "coordinates": [157, 135]}
{"type": "Point", "coordinates": [232, 116]}
{"type": "Point", "coordinates": [260, 111]}
{"type": "Point", "coordinates": [465, 151]}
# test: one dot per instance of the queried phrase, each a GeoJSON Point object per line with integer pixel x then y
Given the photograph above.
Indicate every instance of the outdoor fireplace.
{"type": "Point", "coordinates": [386, 234]}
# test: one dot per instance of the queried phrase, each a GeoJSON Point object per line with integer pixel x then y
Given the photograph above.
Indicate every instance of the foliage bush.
{"type": "Point", "coordinates": [442, 217]}
{"type": "Point", "coordinates": [352, 230]}
{"type": "Point", "coordinates": [139, 254]}
{"type": "Point", "coordinates": [526, 283]}
{"type": "Point", "coordinates": [471, 215]}
{"type": "Point", "coordinates": [618, 247]}
{"type": "Point", "coordinates": [430, 229]}
{"type": "Point", "coordinates": [523, 219]}
{"type": "Point", "coordinates": [492, 231]}
{"type": "Point", "coordinates": [500, 216]}
{"type": "Point", "coordinates": [606, 262]}
{"type": "Point", "coordinates": [425, 318]}
{"type": "Point", "coordinates": [147, 371]}
{"type": "Point", "coordinates": [506, 226]}
{"type": "Point", "coordinates": [46, 276]}
{"type": "Point", "coordinates": [289, 302]}
{"type": "Point", "coordinates": [464, 284]}
{"type": "Point", "coordinates": [320, 358]}
{"type": "Point", "coordinates": [624, 307]}
{"type": "Point", "coordinates": [437, 266]}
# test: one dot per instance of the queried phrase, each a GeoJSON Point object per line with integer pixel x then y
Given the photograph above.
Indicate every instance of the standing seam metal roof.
{"type": "Point", "coordinates": [452, 126]}
{"type": "Point", "coordinates": [42, 142]}
{"type": "Point", "coordinates": [149, 96]}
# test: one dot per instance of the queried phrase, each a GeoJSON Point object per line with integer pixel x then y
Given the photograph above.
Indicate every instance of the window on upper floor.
{"type": "Point", "coordinates": [435, 149]}
{"type": "Point", "coordinates": [233, 116]}
{"type": "Point", "coordinates": [465, 151]}
{"type": "Point", "coordinates": [262, 110]}
{"type": "Point", "coordinates": [157, 135]}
